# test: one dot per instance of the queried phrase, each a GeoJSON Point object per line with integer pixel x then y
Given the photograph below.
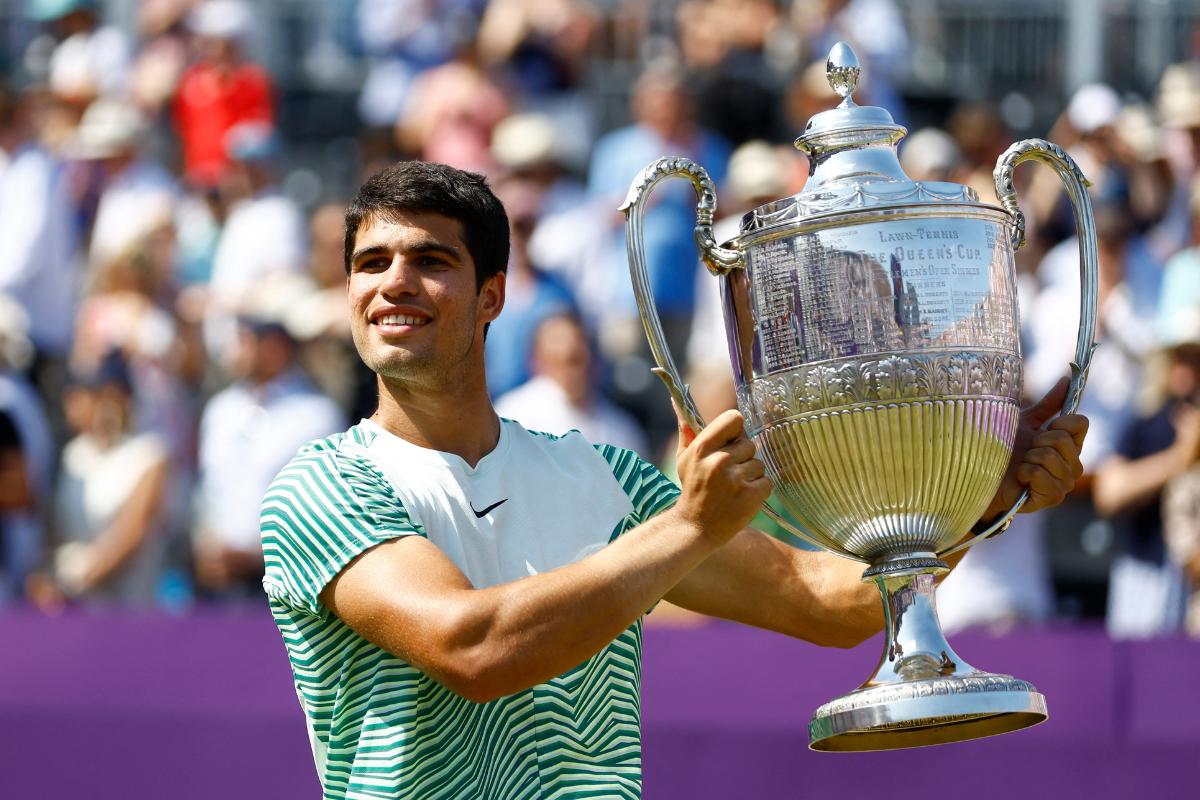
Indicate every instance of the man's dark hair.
{"type": "Point", "coordinates": [424, 187]}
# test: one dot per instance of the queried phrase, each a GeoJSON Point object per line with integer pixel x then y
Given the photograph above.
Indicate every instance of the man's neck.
{"type": "Point", "coordinates": [457, 420]}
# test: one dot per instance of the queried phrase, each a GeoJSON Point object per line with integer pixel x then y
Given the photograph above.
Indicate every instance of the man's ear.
{"type": "Point", "coordinates": [491, 297]}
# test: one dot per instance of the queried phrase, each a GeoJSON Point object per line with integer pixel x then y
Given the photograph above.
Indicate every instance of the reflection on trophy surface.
{"type": "Point", "coordinates": [873, 328]}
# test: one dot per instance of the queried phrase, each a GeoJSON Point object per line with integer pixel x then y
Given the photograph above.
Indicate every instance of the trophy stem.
{"type": "Point", "coordinates": [922, 692]}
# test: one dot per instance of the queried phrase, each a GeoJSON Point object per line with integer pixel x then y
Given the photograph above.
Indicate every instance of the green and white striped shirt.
{"type": "Point", "coordinates": [381, 728]}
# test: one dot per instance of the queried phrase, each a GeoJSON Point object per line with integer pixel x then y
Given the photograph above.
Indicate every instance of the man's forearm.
{"type": "Point", "coordinates": [505, 638]}
{"type": "Point", "coordinates": [812, 595]}
{"type": "Point", "coordinates": [760, 581]}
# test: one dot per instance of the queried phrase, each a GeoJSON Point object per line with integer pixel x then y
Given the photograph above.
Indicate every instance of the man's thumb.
{"type": "Point", "coordinates": [1040, 412]}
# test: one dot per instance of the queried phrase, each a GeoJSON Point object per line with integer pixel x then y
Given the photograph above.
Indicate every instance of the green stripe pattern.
{"type": "Point", "coordinates": [380, 727]}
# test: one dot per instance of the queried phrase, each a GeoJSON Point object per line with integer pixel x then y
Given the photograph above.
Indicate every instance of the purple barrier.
{"type": "Point", "coordinates": [144, 707]}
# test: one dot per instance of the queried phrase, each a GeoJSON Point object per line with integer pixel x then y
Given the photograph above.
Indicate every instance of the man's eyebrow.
{"type": "Point", "coordinates": [417, 248]}
{"type": "Point", "coordinates": [434, 246]}
{"type": "Point", "coordinates": [376, 250]}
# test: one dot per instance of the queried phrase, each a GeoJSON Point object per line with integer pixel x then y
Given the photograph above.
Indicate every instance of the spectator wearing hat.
{"type": "Point", "coordinates": [109, 500]}
{"type": "Point", "coordinates": [219, 91]}
{"type": "Point", "coordinates": [248, 431]}
{"type": "Point", "coordinates": [136, 195]}
{"type": "Point", "coordinates": [529, 148]}
{"type": "Point", "coordinates": [931, 154]}
{"type": "Point", "coordinates": [90, 60]}
{"type": "Point", "coordinates": [1178, 104]}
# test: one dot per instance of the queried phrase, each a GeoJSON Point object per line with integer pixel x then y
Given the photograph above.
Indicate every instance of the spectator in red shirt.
{"type": "Point", "coordinates": [219, 91]}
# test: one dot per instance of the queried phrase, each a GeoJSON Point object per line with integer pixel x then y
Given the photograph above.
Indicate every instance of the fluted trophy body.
{"type": "Point", "coordinates": [874, 333]}
{"type": "Point", "coordinates": [877, 363]}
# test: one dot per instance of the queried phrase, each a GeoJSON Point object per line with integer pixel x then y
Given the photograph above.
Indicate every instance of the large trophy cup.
{"type": "Point", "coordinates": [872, 324]}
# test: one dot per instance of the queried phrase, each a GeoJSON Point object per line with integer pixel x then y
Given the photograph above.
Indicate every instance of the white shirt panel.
{"type": "Point", "coordinates": [528, 490]}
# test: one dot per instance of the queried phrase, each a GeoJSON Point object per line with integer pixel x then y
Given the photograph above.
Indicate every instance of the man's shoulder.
{"type": "Point", "coordinates": [336, 458]}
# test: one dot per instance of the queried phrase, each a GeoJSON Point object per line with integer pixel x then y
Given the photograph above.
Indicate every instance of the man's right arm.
{"type": "Point", "coordinates": [408, 598]}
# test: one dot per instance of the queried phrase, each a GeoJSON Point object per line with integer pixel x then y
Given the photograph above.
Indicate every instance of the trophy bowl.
{"type": "Point", "coordinates": [873, 328]}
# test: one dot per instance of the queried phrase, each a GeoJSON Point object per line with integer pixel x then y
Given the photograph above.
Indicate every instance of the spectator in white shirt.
{"type": "Point", "coordinates": [137, 195]}
{"type": "Point", "coordinates": [561, 396]}
{"type": "Point", "coordinates": [39, 259]}
{"type": "Point", "coordinates": [248, 432]}
{"type": "Point", "coordinates": [264, 234]}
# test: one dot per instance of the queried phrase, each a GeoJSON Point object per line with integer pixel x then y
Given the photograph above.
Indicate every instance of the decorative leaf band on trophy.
{"type": "Point", "coordinates": [873, 329]}
{"type": "Point", "coordinates": [831, 386]}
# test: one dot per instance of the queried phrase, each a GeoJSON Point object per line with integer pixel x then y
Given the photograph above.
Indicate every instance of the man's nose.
{"type": "Point", "coordinates": [400, 278]}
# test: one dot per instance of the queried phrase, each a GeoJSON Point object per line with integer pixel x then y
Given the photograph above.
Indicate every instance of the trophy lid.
{"type": "Point", "coordinates": [853, 164]}
{"type": "Point", "coordinates": [849, 125]}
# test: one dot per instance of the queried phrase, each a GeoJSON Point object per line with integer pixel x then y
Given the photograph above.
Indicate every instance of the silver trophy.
{"type": "Point", "coordinates": [873, 327]}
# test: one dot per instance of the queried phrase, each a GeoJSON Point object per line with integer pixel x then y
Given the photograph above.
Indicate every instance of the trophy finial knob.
{"type": "Point", "coordinates": [842, 70]}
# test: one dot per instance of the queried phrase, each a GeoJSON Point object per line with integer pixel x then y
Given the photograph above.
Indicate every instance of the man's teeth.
{"type": "Point", "coordinates": [401, 319]}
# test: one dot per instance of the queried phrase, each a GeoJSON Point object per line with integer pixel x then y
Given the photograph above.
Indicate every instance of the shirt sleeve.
{"type": "Point", "coordinates": [325, 508]}
{"type": "Point", "coordinates": [649, 490]}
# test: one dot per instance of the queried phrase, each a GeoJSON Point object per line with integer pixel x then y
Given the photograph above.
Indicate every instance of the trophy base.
{"type": "Point", "coordinates": [922, 692]}
{"type": "Point", "coordinates": [925, 712]}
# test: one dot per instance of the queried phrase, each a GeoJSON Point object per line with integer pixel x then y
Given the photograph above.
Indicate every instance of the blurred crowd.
{"type": "Point", "coordinates": [172, 320]}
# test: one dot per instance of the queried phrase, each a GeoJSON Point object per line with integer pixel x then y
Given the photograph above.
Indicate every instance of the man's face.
{"type": "Point", "coordinates": [415, 314]}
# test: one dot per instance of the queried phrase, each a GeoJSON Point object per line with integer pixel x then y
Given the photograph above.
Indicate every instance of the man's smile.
{"type": "Point", "coordinates": [399, 321]}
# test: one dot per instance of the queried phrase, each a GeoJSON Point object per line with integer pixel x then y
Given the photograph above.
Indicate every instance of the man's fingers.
{"type": "Point", "coordinates": [1075, 425]}
{"type": "Point", "coordinates": [741, 449]}
{"type": "Point", "coordinates": [751, 470]}
{"type": "Point", "coordinates": [1052, 461]}
{"type": "Point", "coordinates": [1064, 444]}
{"type": "Point", "coordinates": [1037, 414]}
{"type": "Point", "coordinates": [1044, 489]}
{"type": "Point", "coordinates": [762, 486]}
{"type": "Point", "coordinates": [721, 431]}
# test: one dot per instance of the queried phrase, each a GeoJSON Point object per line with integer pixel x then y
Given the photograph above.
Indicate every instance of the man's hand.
{"type": "Point", "coordinates": [723, 484]}
{"type": "Point", "coordinates": [1046, 462]}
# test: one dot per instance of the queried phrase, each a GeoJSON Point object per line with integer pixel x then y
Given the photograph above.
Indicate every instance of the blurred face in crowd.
{"type": "Point", "coordinates": [1183, 373]}
{"type": "Point", "coordinates": [660, 102]}
{"type": "Point", "coordinates": [263, 352]}
{"type": "Point", "coordinates": [217, 50]}
{"type": "Point", "coordinates": [416, 315]}
{"type": "Point", "coordinates": [561, 353]}
{"type": "Point", "coordinates": [326, 233]}
{"type": "Point", "coordinates": [101, 412]}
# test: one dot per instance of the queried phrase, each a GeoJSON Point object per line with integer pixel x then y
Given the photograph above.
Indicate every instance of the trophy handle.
{"type": "Point", "coordinates": [719, 260]}
{"type": "Point", "coordinates": [1089, 278]}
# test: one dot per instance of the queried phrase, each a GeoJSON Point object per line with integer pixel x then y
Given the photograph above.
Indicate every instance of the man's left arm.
{"type": "Point", "coordinates": [820, 597]}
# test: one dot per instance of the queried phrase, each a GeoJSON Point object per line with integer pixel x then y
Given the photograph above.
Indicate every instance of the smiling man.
{"type": "Point", "coordinates": [461, 599]}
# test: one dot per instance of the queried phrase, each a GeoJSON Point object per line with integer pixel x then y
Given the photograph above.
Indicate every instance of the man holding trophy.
{"type": "Point", "coordinates": [461, 599]}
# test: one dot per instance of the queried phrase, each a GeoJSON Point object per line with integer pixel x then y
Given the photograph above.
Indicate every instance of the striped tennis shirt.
{"type": "Point", "coordinates": [381, 728]}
